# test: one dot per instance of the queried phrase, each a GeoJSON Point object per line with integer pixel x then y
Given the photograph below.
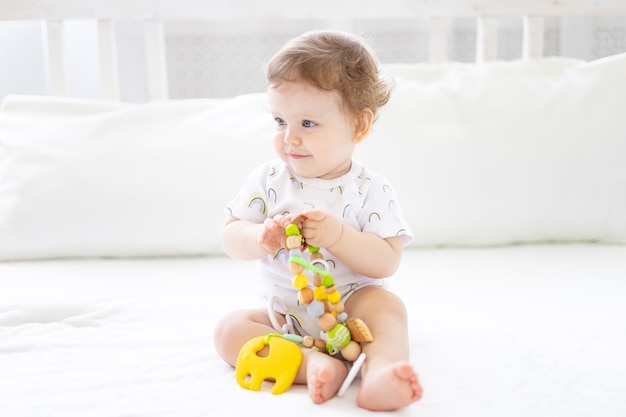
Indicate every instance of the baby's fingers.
{"type": "Point", "coordinates": [315, 215]}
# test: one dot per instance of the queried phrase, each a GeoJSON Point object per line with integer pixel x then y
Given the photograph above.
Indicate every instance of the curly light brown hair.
{"type": "Point", "coordinates": [333, 61]}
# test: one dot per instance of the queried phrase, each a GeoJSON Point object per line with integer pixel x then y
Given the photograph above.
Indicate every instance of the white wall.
{"type": "Point", "coordinates": [21, 58]}
{"type": "Point", "coordinates": [221, 59]}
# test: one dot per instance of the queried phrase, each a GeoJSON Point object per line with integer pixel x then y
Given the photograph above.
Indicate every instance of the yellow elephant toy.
{"type": "Point", "coordinates": [281, 364]}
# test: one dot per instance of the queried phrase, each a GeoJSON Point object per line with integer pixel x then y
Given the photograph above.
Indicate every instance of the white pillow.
{"type": "Point", "coordinates": [89, 178]}
{"type": "Point", "coordinates": [507, 152]}
{"type": "Point", "coordinates": [479, 155]}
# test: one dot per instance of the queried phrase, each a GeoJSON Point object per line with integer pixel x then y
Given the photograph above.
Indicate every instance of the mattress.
{"type": "Point", "coordinates": [529, 330]}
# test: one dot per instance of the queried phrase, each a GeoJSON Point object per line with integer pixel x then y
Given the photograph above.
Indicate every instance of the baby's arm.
{"type": "Point", "coordinates": [365, 253]}
{"type": "Point", "coordinates": [243, 239]}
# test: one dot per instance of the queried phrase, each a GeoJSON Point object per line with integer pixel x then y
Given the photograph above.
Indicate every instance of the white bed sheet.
{"type": "Point", "coordinates": [515, 331]}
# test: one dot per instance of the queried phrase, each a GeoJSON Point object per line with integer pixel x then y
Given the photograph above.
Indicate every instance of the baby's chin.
{"type": "Point", "coordinates": [304, 170]}
{"type": "Point", "coordinates": [298, 168]}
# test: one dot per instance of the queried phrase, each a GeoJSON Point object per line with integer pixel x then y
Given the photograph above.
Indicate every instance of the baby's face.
{"type": "Point", "coordinates": [313, 134]}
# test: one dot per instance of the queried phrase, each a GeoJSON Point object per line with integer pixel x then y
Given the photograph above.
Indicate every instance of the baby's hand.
{"type": "Point", "coordinates": [320, 228]}
{"type": "Point", "coordinates": [272, 235]}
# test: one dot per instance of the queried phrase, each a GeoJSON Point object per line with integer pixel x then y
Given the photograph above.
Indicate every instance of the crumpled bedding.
{"type": "Point", "coordinates": [536, 330]}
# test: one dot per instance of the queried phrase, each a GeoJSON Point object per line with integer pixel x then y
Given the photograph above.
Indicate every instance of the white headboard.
{"type": "Point", "coordinates": [152, 14]}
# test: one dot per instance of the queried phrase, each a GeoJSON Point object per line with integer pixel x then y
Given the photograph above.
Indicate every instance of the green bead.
{"type": "Point", "coordinates": [292, 230]}
{"type": "Point", "coordinates": [328, 281]}
{"type": "Point", "coordinates": [314, 249]}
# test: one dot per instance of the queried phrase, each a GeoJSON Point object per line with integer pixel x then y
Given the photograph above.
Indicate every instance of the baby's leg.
{"type": "Point", "coordinates": [389, 382]}
{"type": "Point", "coordinates": [389, 387]}
{"type": "Point", "coordinates": [322, 373]}
{"type": "Point", "coordinates": [236, 329]}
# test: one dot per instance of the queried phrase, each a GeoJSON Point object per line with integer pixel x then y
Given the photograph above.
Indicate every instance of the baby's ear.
{"type": "Point", "coordinates": [363, 124]}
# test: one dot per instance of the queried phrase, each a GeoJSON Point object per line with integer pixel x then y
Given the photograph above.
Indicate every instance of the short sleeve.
{"type": "Point", "coordinates": [381, 212]}
{"type": "Point", "coordinates": [251, 202]}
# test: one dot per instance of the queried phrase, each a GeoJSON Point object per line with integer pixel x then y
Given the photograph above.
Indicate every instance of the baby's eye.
{"type": "Point", "coordinates": [308, 123]}
{"type": "Point", "coordinates": [279, 121]}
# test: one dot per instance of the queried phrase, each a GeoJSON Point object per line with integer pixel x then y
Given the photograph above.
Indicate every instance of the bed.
{"type": "Point", "coordinates": [512, 174]}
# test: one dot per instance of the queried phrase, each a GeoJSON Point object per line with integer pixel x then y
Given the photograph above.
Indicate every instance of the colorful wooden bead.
{"type": "Point", "coordinates": [296, 268]}
{"type": "Point", "coordinates": [316, 255]}
{"type": "Point", "coordinates": [315, 308]}
{"type": "Point", "coordinates": [305, 296]}
{"type": "Point", "coordinates": [320, 293]}
{"type": "Point", "coordinates": [359, 330]}
{"type": "Point", "coordinates": [338, 336]}
{"type": "Point", "coordinates": [299, 281]}
{"type": "Point", "coordinates": [351, 351]}
{"type": "Point", "coordinates": [292, 230]}
{"type": "Point", "coordinates": [334, 297]}
{"type": "Point", "coordinates": [328, 281]}
{"type": "Point", "coordinates": [308, 341]}
{"type": "Point", "coordinates": [320, 344]}
{"type": "Point", "coordinates": [317, 280]}
{"type": "Point", "coordinates": [326, 322]}
{"type": "Point", "coordinates": [293, 242]}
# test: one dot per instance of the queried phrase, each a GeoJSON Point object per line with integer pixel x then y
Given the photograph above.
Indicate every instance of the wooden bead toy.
{"type": "Point", "coordinates": [305, 295]}
{"type": "Point", "coordinates": [338, 332]}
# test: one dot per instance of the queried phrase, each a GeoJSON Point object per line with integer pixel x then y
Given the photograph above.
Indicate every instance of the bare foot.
{"type": "Point", "coordinates": [389, 387]}
{"type": "Point", "coordinates": [325, 375]}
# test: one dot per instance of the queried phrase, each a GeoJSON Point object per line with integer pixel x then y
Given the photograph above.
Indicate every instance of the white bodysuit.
{"type": "Point", "coordinates": [361, 198]}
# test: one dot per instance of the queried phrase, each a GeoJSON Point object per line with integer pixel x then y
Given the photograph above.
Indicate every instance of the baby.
{"type": "Point", "coordinates": [324, 90]}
